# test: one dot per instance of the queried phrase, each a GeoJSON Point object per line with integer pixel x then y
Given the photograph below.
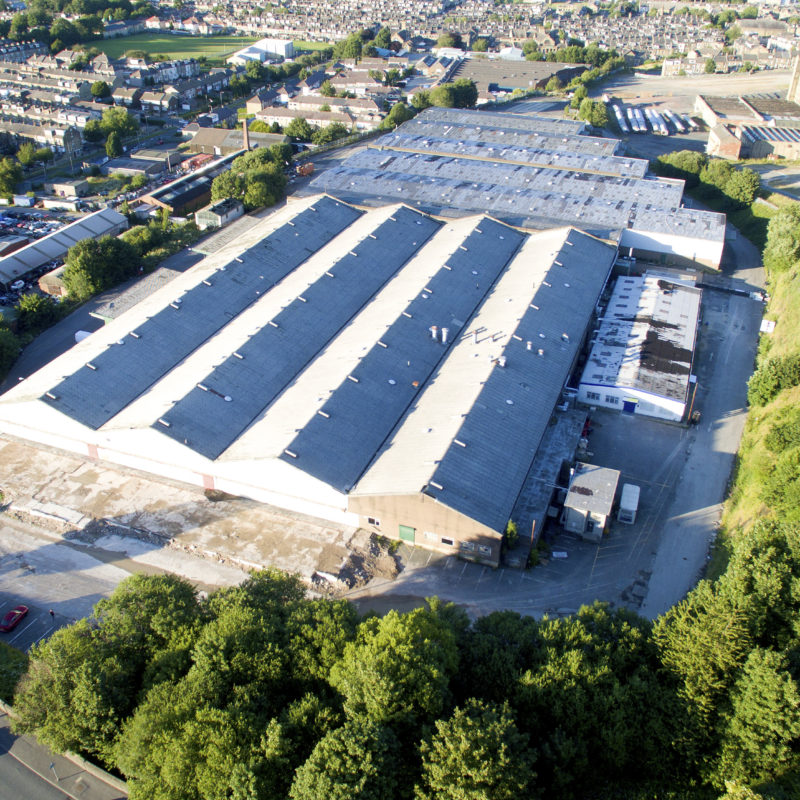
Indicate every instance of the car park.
{"type": "Point", "coordinates": [13, 618]}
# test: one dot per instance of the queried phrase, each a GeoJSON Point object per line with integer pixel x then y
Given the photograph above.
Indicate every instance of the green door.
{"type": "Point", "coordinates": [407, 534]}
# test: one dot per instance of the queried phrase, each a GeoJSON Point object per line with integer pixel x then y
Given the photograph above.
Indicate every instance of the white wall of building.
{"type": "Point", "coordinates": [706, 251]}
{"type": "Point", "coordinates": [646, 404]}
{"type": "Point", "coordinates": [267, 480]}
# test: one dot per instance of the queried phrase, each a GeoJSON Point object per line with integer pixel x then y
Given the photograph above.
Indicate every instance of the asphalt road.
{"type": "Point", "coordinates": [29, 771]}
{"type": "Point", "coordinates": [17, 782]}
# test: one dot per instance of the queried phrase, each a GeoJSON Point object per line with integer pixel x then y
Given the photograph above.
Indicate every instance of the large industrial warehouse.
{"type": "Point", "coordinates": [531, 172]}
{"type": "Point", "coordinates": [390, 350]}
{"type": "Point", "coordinates": [379, 367]}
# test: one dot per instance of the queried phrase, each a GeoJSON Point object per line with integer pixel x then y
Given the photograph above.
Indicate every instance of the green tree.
{"type": "Point", "coordinates": [477, 753]}
{"type": "Point", "coordinates": [684, 164]}
{"type": "Point", "coordinates": [761, 733]}
{"type": "Point", "coordinates": [96, 264]}
{"type": "Point", "coordinates": [717, 173]}
{"type": "Point", "coordinates": [10, 176]}
{"type": "Point", "coordinates": [9, 349]}
{"type": "Point", "coordinates": [742, 186]}
{"type": "Point", "coordinates": [399, 114]}
{"type": "Point", "coordinates": [326, 89]}
{"type": "Point", "coordinates": [711, 66]}
{"type": "Point", "coordinates": [349, 47]}
{"type": "Point", "coordinates": [36, 312]}
{"type": "Point", "coordinates": [594, 112]}
{"type": "Point", "coordinates": [93, 131]}
{"type": "Point", "coordinates": [254, 71]}
{"type": "Point", "coordinates": [466, 93]}
{"type": "Point", "coordinates": [398, 669]}
{"type": "Point", "coordinates": [265, 187]}
{"type": "Point", "coordinates": [443, 96]}
{"type": "Point", "coordinates": [100, 89]}
{"type": "Point", "coordinates": [554, 84]}
{"type": "Point", "coordinates": [773, 375]}
{"type": "Point", "coordinates": [43, 154]}
{"type": "Point", "coordinates": [113, 145]}
{"type": "Point", "coordinates": [26, 154]}
{"type": "Point", "coordinates": [450, 39]}
{"type": "Point", "coordinates": [578, 96]}
{"type": "Point", "coordinates": [480, 45]}
{"type": "Point", "coordinates": [299, 129]}
{"type": "Point", "coordinates": [782, 250]}
{"type": "Point", "coordinates": [117, 120]}
{"type": "Point", "coordinates": [421, 99]}
{"type": "Point", "coordinates": [329, 134]}
{"type": "Point", "coordinates": [317, 633]}
{"type": "Point", "coordinates": [703, 641]}
{"type": "Point", "coordinates": [594, 703]}
{"type": "Point", "coordinates": [227, 184]}
{"type": "Point", "coordinates": [355, 762]}
{"type": "Point", "coordinates": [383, 38]}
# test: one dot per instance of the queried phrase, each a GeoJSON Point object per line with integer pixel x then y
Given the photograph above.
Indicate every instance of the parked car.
{"type": "Point", "coordinates": [13, 618]}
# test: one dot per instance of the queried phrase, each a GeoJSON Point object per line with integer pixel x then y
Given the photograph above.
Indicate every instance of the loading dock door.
{"type": "Point", "coordinates": [407, 534]}
{"type": "Point", "coordinates": [629, 405]}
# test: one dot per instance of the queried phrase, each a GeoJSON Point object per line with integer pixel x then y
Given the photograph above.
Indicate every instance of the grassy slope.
{"type": "Point", "coordinates": [754, 460]}
{"type": "Point", "coordinates": [213, 47]}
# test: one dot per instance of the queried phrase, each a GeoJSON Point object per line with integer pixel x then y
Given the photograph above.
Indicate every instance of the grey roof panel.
{"type": "Point", "coordinates": [338, 444]}
{"type": "Point", "coordinates": [260, 370]}
{"type": "Point", "coordinates": [93, 395]}
{"type": "Point", "coordinates": [482, 478]}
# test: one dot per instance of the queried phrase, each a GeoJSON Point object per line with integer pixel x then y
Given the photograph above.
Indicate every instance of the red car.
{"type": "Point", "coordinates": [13, 618]}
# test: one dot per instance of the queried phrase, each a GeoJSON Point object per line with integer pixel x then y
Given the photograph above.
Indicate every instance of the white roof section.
{"type": "Point", "coordinates": [55, 245]}
{"type": "Point", "coordinates": [646, 339]}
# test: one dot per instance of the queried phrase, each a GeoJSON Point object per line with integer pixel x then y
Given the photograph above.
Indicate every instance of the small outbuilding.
{"type": "Point", "coordinates": [76, 188]}
{"type": "Point", "coordinates": [218, 214]}
{"type": "Point", "coordinates": [590, 497]}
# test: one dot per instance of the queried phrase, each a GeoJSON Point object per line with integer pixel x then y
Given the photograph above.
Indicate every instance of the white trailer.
{"type": "Point", "coordinates": [628, 503]}
{"type": "Point", "coordinates": [623, 125]}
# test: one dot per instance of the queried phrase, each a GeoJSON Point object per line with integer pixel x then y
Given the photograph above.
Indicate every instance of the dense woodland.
{"type": "Point", "coordinates": [258, 692]}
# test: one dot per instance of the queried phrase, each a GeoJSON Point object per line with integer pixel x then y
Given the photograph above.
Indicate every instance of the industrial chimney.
{"type": "Point", "coordinates": [245, 135]}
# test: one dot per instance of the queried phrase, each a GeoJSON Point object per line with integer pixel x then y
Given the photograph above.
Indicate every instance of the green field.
{"type": "Point", "coordinates": [301, 44]}
{"type": "Point", "coordinates": [212, 47]}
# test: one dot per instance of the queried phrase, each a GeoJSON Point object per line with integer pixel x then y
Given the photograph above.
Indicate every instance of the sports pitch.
{"type": "Point", "coordinates": [174, 46]}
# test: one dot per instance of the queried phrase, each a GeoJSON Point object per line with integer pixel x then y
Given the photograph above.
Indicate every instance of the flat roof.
{"type": "Point", "coordinates": [507, 74]}
{"type": "Point", "coordinates": [500, 119]}
{"type": "Point", "coordinates": [728, 106]}
{"type": "Point", "coordinates": [773, 105]}
{"type": "Point", "coordinates": [592, 488]}
{"type": "Point", "coordinates": [453, 161]}
{"type": "Point", "coordinates": [572, 152]}
{"type": "Point", "coordinates": [473, 133]}
{"type": "Point", "coordinates": [646, 339]}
